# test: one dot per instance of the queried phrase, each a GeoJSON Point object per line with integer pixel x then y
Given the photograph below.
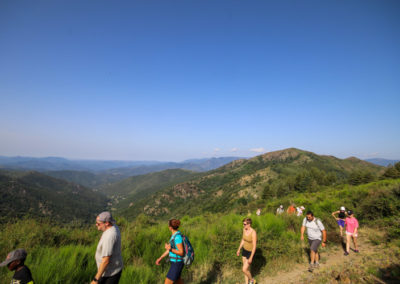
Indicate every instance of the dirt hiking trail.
{"type": "Point", "coordinates": [330, 258]}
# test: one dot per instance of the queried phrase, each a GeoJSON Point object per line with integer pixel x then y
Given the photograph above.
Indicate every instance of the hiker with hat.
{"type": "Point", "coordinates": [279, 210]}
{"type": "Point", "coordinates": [351, 231]}
{"type": "Point", "coordinates": [300, 210]}
{"type": "Point", "coordinates": [108, 253]}
{"type": "Point", "coordinates": [316, 233]}
{"type": "Point", "coordinates": [15, 261]}
{"type": "Point", "coordinates": [341, 218]}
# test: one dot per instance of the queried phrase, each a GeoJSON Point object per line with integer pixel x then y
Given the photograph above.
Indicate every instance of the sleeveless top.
{"type": "Point", "coordinates": [342, 215]}
{"type": "Point", "coordinates": [248, 241]}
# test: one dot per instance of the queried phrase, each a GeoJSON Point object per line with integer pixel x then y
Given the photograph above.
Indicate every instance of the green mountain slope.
{"type": "Point", "coordinates": [40, 196]}
{"type": "Point", "coordinates": [244, 182]}
{"type": "Point", "coordinates": [126, 192]}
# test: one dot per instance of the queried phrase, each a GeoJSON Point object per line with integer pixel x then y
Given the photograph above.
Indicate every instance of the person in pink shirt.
{"type": "Point", "coordinates": [351, 231]}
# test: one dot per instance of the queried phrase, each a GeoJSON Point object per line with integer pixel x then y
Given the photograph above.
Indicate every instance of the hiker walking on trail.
{"type": "Point", "coordinates": [279, 210]}
{"type": "Point", "coordinates": [108, 252]}
{"type": "Point", "coordinates": [15, 261]}
{"type": "Point", "coordinates": [176, 253]}
{"type": "Point", "coordinates": [340, 219]}
{"type": "Point", "coordinates": [316, 233]}
{"type": "Point", "coordinates": [248, 243]}
{"type": "Point", "coordinates": [351, 231]}
{"type": "Point", "coordinates": [291, 209]}
{"type": "Point", "coordinates": [299, 211]}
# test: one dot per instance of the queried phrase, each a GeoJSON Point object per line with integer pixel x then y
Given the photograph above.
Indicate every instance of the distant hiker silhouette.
{"type": "Point", "coordinates": [280, 210]}
{"type": "Point", "coordinates": [291, 209]}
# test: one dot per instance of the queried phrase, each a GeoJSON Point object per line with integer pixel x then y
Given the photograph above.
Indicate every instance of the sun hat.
{"type": "Point", "coordinates": [302, 208]}
{"type": "Point", "coordinates": [18, 254]}
{"type": "Point", "coordinates": [342, 208]}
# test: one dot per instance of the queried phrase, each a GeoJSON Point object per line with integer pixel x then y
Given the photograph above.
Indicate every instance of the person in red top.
{"type": "Point", "coordinates": [351, 231]}
{"type": "Point", "coordinates": [291, 209]}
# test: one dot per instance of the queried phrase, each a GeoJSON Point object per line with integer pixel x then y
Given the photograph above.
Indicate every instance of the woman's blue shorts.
{"type": "Point", "coordinates": [340, 223]}
{"type": "Point", "coordinates": [175, 270]}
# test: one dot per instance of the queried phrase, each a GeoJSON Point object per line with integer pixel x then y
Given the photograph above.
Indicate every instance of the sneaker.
{"type": "Point", "coordinates": [316, 265]}
{"type": "Point", "coordinates": [311, 268]}
{"type": "Point", "coordinates": [356, 250]}
{"type": "Point", "coordinates": [346, 253]}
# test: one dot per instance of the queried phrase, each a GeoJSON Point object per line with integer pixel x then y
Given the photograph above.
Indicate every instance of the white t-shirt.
{"type": "Point", "coordinates": [110, 245]}
{"type": "Point", "coordinates": [314, 229]}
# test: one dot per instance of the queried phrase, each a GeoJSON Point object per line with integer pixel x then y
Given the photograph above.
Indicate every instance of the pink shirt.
{"type": "Point", "coordinates": [351, 224]}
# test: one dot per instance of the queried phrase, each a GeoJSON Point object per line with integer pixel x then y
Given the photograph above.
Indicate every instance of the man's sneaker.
{"type": "Point", "coordinates": [346, 253]}
{"type": "Point", "coordinates": [316, 265]}
{"type": "Point", "coordinates": [311, 268]}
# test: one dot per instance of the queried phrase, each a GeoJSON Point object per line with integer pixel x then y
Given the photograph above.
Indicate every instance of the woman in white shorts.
{"type": "Point", "coordinates": [351, 231]}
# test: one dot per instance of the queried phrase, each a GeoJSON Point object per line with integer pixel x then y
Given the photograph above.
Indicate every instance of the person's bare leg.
{"type": "Point", "coordinates": [355, 243]}
{"type": "Point", "coordinates": [247, 274]}
{"type": "Point", "coordinates": [168, 281]}
{"type": "Point", "coordinates": [341, 231]}
{"type": "Point", "coordinates": [312, 256]}
{"type": "Point", "coordinates": [316, 257]}
{"type": "Point", "coordinates": [348, 240]}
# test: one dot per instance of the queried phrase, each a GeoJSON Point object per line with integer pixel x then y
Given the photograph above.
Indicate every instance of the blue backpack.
{"type": "Point", "coordinates": [188, 257]}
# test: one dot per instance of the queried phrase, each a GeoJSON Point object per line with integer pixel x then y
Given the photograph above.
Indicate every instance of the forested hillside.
{"type": "Point", "coordinates": [32, 194]}
{"type": "Point", "coordinates": [243, 184]}
{"type": "Point", "coordinates": [125, 193]}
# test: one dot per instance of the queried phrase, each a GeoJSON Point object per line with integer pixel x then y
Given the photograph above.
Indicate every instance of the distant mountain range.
{"type": "Point", "coordinates": [164, 189]}
{"type": "Point", "coordinates": [246, 181]}
{"type": "Point", "coordinates": [58, 164]}
{"type": "Point", "coordinates": [382, 162]}
{"type": "Point", "coordinates": [97, 173]}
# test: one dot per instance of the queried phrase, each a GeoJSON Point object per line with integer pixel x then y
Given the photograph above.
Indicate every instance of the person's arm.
{"type": "Point", "coordinates": [161, 257]}
{"type": "Point", "coordinates": [253, 251]}
{"type": "Point", "coordinates": [323, 238]}
{"type": "Point", "coordinates": [334, 214]}
{"type": "Point", "coordinates": [303, 229]}
{"type": "Point", "coordinates": [356, 229]}
{"type": "Point", "coordinates": [240, 247]}
{"type": "Point", "coordinates": [103, 265]}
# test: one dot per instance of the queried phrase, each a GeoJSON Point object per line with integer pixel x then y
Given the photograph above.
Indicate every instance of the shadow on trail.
{"type": "Point", "coordinates": [259, 261]}
{"type": "Point", "coordinates": [213, 274]}
{"type": "Point", "coordinates": [390, 274]}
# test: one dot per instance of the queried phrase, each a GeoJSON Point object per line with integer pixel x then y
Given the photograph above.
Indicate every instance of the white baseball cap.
{"type": "Point", "coordinates": [342, 208]}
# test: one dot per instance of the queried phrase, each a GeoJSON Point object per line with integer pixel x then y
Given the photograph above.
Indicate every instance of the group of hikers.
{"type": "Point", "coordinates": [292, 210]}
{"type": "Point", "coordinates": [109, 259]}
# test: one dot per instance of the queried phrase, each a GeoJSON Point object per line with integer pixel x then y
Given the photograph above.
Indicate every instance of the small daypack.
{"type": "Point", "coordinates": [188, 258]}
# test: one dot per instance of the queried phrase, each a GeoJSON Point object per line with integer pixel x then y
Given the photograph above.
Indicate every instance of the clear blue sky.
{"type": "Point", "coordinates": [171, 80]}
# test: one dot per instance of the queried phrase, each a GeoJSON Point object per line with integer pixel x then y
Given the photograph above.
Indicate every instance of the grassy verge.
{"type": "Point", "coordinates": [66, 255]}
